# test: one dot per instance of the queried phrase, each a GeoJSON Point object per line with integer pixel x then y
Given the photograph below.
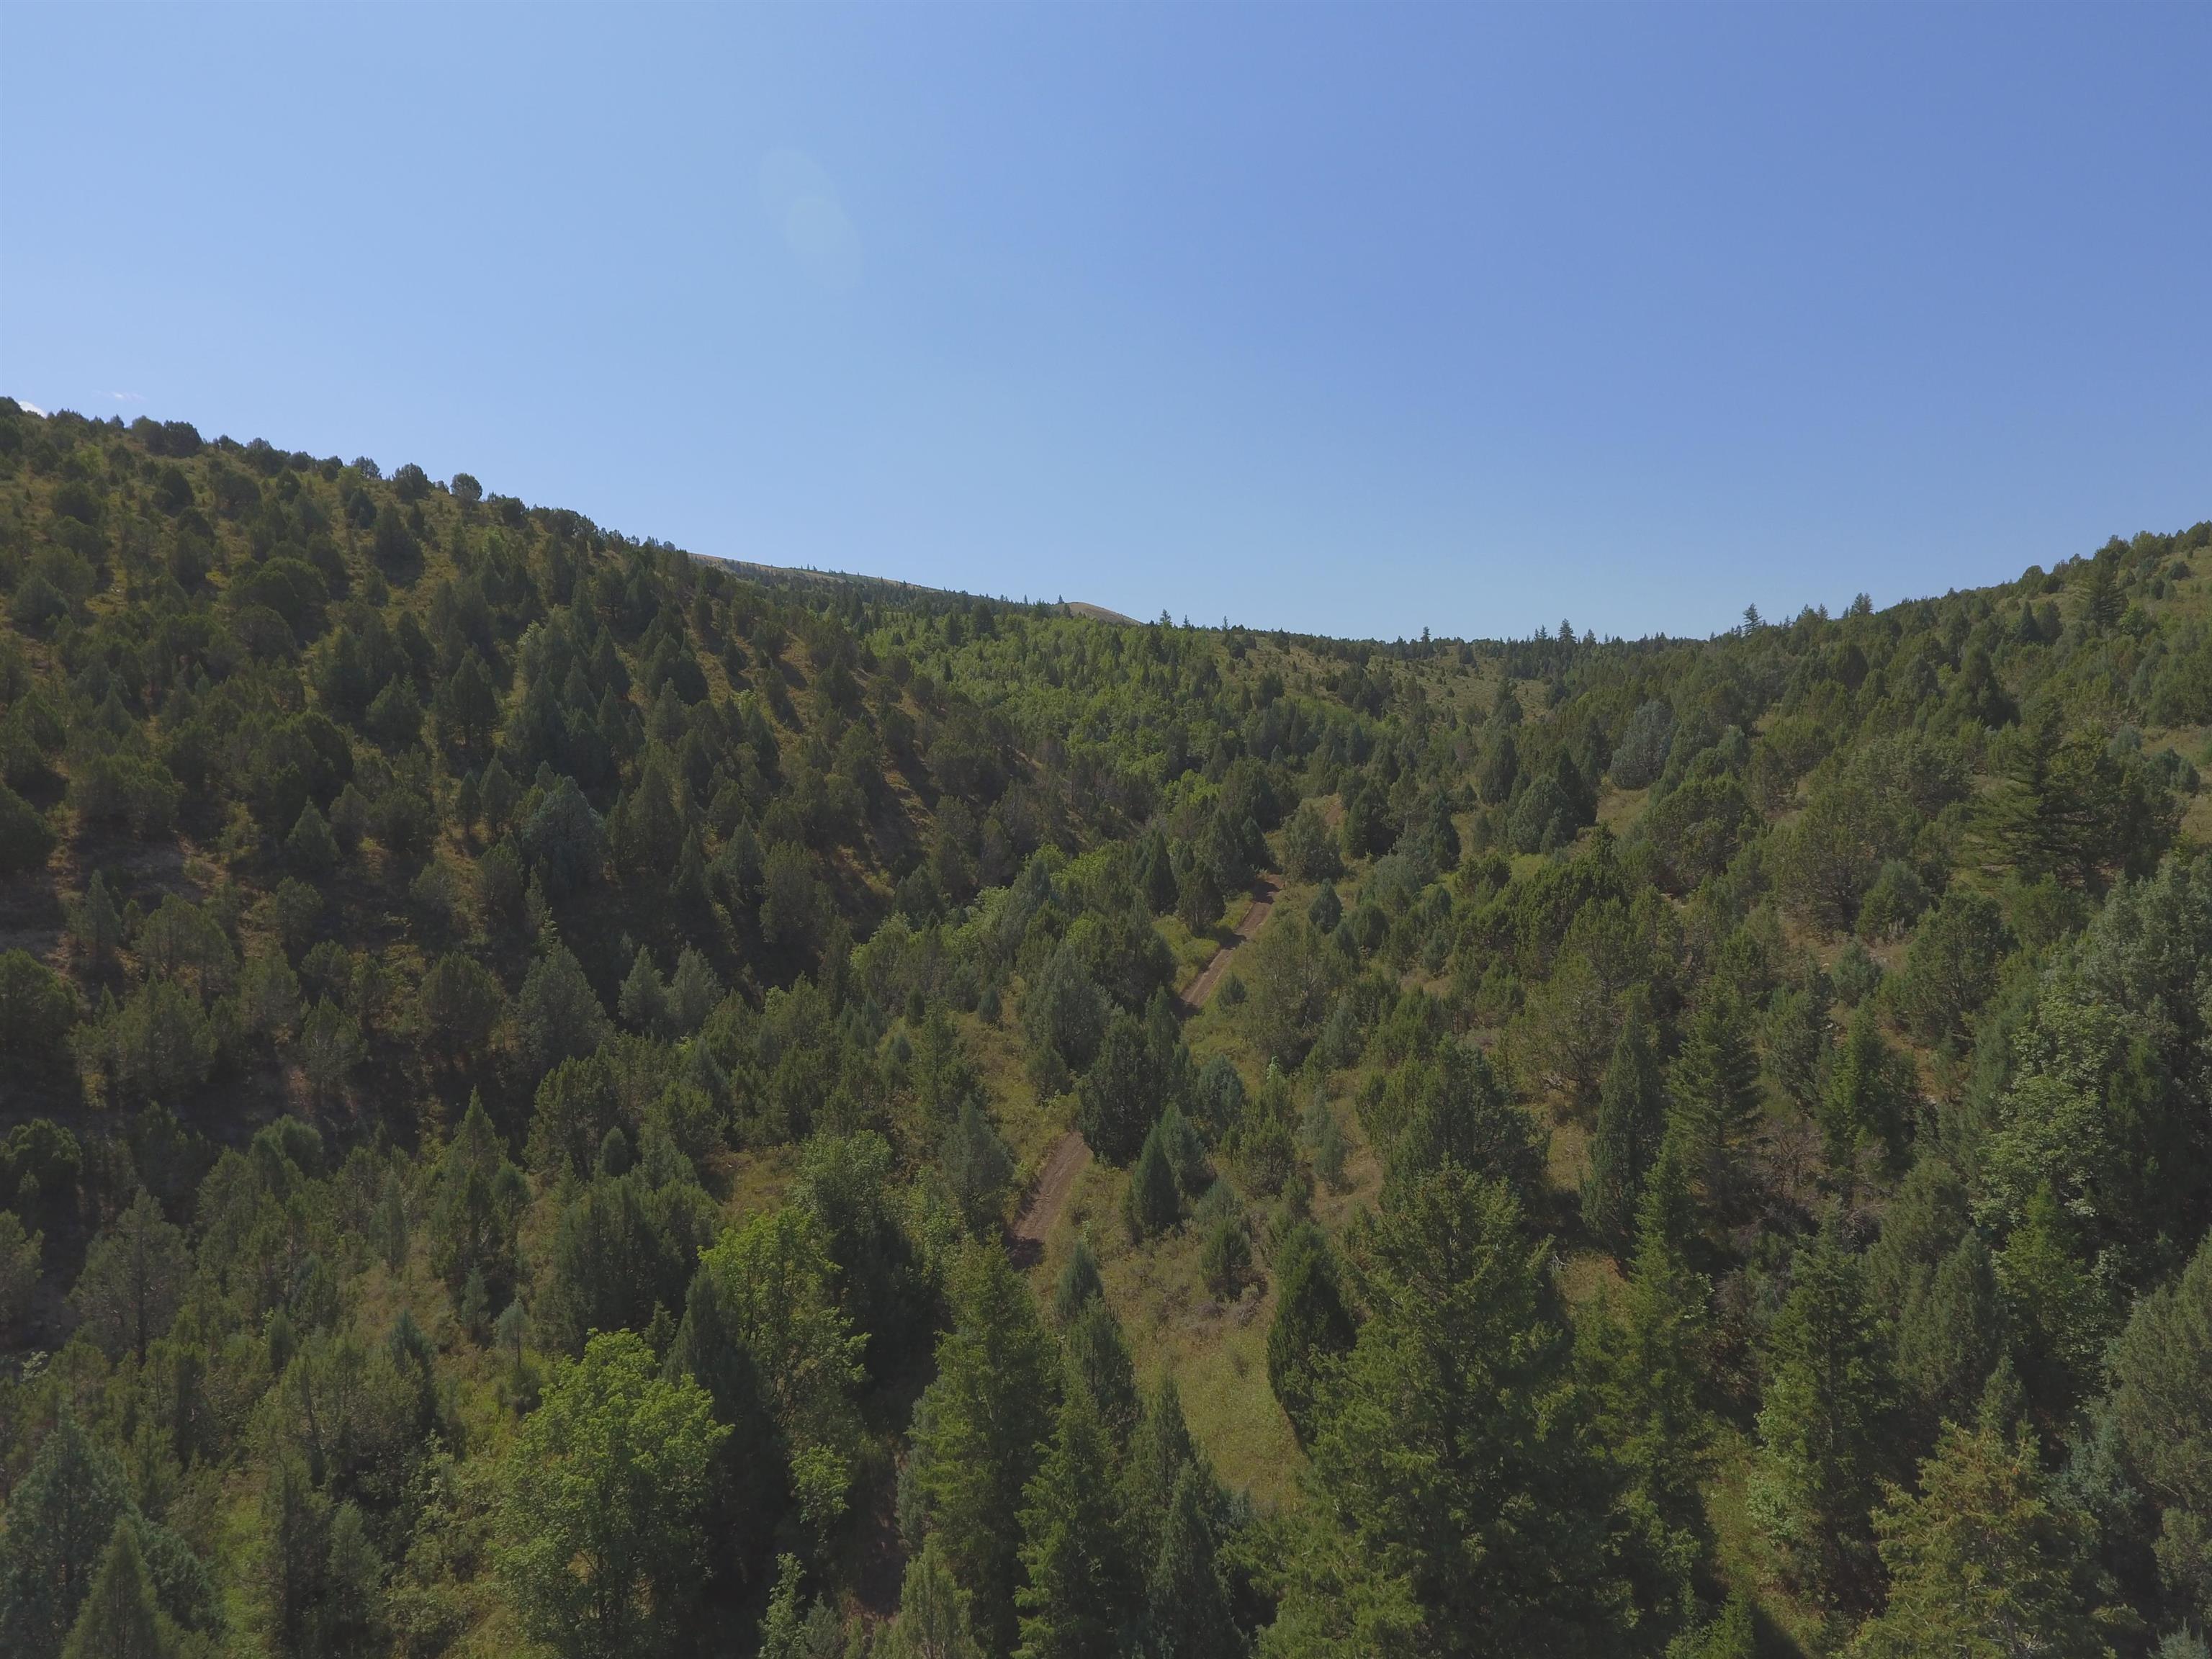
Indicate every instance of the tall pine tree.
{"type": "Point", "coordinates": [1630, 1117]}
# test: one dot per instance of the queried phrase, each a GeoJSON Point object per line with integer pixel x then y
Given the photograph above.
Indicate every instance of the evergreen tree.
{"type": "Point", "coordinates": [1079, 1283]}
{"type": "Point", "coordinates": [1156, 876]}
{"type": "Point", "coordinates": [933, 1618]}
{"type": "Point", "coordinates": [1098, 1364]}
{"type": "Point", "coordinates": [1150, 1203]}
{"type": "Point", "coordinates": [1187, 1614]}
{"type": "Point", "coordinates": [61, 1516]}
{"type": "Point", "coordinates": [1312, 1328]}
{"type": "Point", "coordinates": [1824, 1425]}
{"type": "Point", "coordinates": [1868, 1095]}
{"type": "Point", "coordinates": [643, 1004]}
{"type": "Point", "coordinates": [1630, 1117]}
{"type": "Point", "coordinates": [978, 1428]}
{"type": "Point", "coordinates": [1460, 1508]}
{"type": "Point", "coordinates": [1982, 1559]}
{"type": "Point", "coordinates": [1077, 1596]}
{"type": "Point", "coordinates": [121, 1619]}
{"type": "Point", "coordinates": [134, 1278]}
{"type": "Point", "coordinates": [1120, 1097]}
{"type": "Point", "coordinates": [2160, 1366]}
{"type": "Point", "coordinates": [1950, 1332]}
{"type": "Point", "coordinates": [1715, 1086]}
{"type": "Point", "coordinates": [1653, 1353]}
{"type": "Point", "coordinates": [1197, 900]}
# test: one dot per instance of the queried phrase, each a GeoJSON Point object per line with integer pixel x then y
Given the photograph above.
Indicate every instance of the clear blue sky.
{"type": "Point", "coordinates": [1359, 320]}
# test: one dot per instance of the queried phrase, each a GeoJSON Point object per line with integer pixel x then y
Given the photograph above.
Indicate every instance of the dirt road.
{"type": "Point", "coordinates": [1200, 990]}
{"type": "Point", "coordinates": [1055, 1183]}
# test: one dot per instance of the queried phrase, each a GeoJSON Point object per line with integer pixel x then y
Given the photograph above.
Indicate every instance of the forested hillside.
{"type": "Point", "coordinates": [525, 1053]}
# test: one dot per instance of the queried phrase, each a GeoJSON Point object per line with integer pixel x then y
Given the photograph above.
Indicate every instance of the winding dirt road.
{"type": "Point", "coordinates": [1055, 1183]}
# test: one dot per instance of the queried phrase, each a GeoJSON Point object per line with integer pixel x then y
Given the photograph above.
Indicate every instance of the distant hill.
{"type": "Point", "coordinates": [522, 1047]}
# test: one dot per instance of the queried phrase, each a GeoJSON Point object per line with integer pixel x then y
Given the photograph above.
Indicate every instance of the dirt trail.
{"type": "Point", "coordinates": [1200, 990]}
{"type": "Point", "coordinates": [1047, 1200]}
{"type": "Point", "coordinates": [1055, 1183]}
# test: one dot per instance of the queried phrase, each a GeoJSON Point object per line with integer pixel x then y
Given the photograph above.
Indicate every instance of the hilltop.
{"type": "Point", "coordinates": [1716, 1121]}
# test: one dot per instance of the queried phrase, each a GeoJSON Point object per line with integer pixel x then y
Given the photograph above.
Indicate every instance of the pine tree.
{"type": "Point", "coordinates": [1950, 1331]}
{"type": "Point", "coordinates": [977, 1431]}
{"type": "Point", "coordinates": [1824, 1427]}
{"type": "Point", "coordinates": [1149, 1203]}
{"type": "Point", "coordinates": [1078, 1281]}
{"type": "Point", "coordinates": [1630, 1117]}
{"type": "Point", "coordinates": [1715, 1086]}
{"type": "Point", "coordinates": [121, 1619]}
{"type": "Point", "coordinates": [1868, 1094]}
{"type": "Point", "coordinates": [1098, 1364]}
{"type": "Point", "coordinates": [1077, 1593]}
{"type": "Point", "coordinates": [1653, 1354]}
{"type": "Point", "coordinates": [1118, 1097]}
{"type": "Point", "coordinates": [932, 1619]}
{"type": "Point", "coordinates": [61, 1517]}
{"type": "Point", "coordinates": [1155, 877]}
{"type": "Point", "coordinates": [1198, 901]}
{"type": "Point", "coordinates": [1982, 1559]}
{"type": "Point", "coordinates": [643, 1004]}
{"type": "Point", "coordinates": [1461, 1506]}
{"type": "Point", "coordinates": [1158, 1451]}
{"type": "Point", "coordinates": [1187, 1604]}
{"type": "Point", "coordinates": [134, 1278]}
{"type": "Point", "coordinates": [1312, 1326]}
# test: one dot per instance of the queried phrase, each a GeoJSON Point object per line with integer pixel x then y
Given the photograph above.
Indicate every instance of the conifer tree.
{"type": "Point", "coordinates": [1149, 1203]}
{"type": "Point", "coordinates": [1983, 1559]}
{"type": "Point", "coordinates": [978, 1428]}
{"type": "Point", "coordinates": [1824, 1423]}
{"type": "Point", "coordinates": [1187, 1604]}
{"type": "Point", "coordinates": [61, 1517]}
{"type": "Point", "coordinates": [1312, 1328]}
{"type": "Point", "coordinates": [1654, 1354]}
{"type": "Point", "coordinates": [1630, 1117]}
{"type": "Point", "coordinates": [1714, 1087]}
{"type": "Point", "coordinates": [121, 1619]}
{"type": "Point", "coordinates": [933, 1618]}
{"type": "Point", "coordinates": [1077, 1594]}
{"type": "Point", "coordinates": [1460, 1507]}
{"type": "Point", "coordinates": [1950, 1332]}
{"type": "Point", "coordinates": [134, 1278]}
{"type": "Point", "coordinates": [643, 1003]}
{"type": "Point", "coordinates": [1078, 1281]}
{"type": "Point", "coordinates": [1098, 1364]}
{"type": "Point", "coordinates": [1868, 1094]}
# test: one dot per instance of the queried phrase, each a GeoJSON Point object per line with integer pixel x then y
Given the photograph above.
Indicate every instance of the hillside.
{"type": "Point", "coordinates": [526, 1050]}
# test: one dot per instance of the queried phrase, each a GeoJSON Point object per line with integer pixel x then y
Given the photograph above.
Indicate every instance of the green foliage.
{"type": "Point", "coordinates": [1459, 1496]}
{"type": "Point", "coordinates": [502, 842]}
{"type": "Point", "coordinates": [25, 840]}
{"type": "Point", "coordinates": [1150, 1203]}
{"type": "Point", "coordinates": [1630, 1118]}
{"type": "Point", "coordinates": [1076, 1574]}
{"type": "Point", "coordinates": [37, 1007]}
{"type": "Point", "coordinates": [978, 1430]}
{"type": "Point", "coordinates": [599, 1538]}
{"type": "Point", "coordinates": [1824, 1426]}
{"type": "Point", "coordinates": [1312, 1326]}
{"type": "Point", "coordinates": [1982, 1560]}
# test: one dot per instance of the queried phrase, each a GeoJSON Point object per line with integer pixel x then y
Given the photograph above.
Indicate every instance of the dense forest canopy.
{"type": "Point", "coordinates": [543, 1077]}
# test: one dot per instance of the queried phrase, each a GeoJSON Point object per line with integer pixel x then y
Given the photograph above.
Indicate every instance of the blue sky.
{"type": "Point", "coordinates": [1358, 320]}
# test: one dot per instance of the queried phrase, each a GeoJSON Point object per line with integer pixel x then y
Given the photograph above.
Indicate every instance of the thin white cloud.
{"type": "Point", "coordinates": [127, 397]}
